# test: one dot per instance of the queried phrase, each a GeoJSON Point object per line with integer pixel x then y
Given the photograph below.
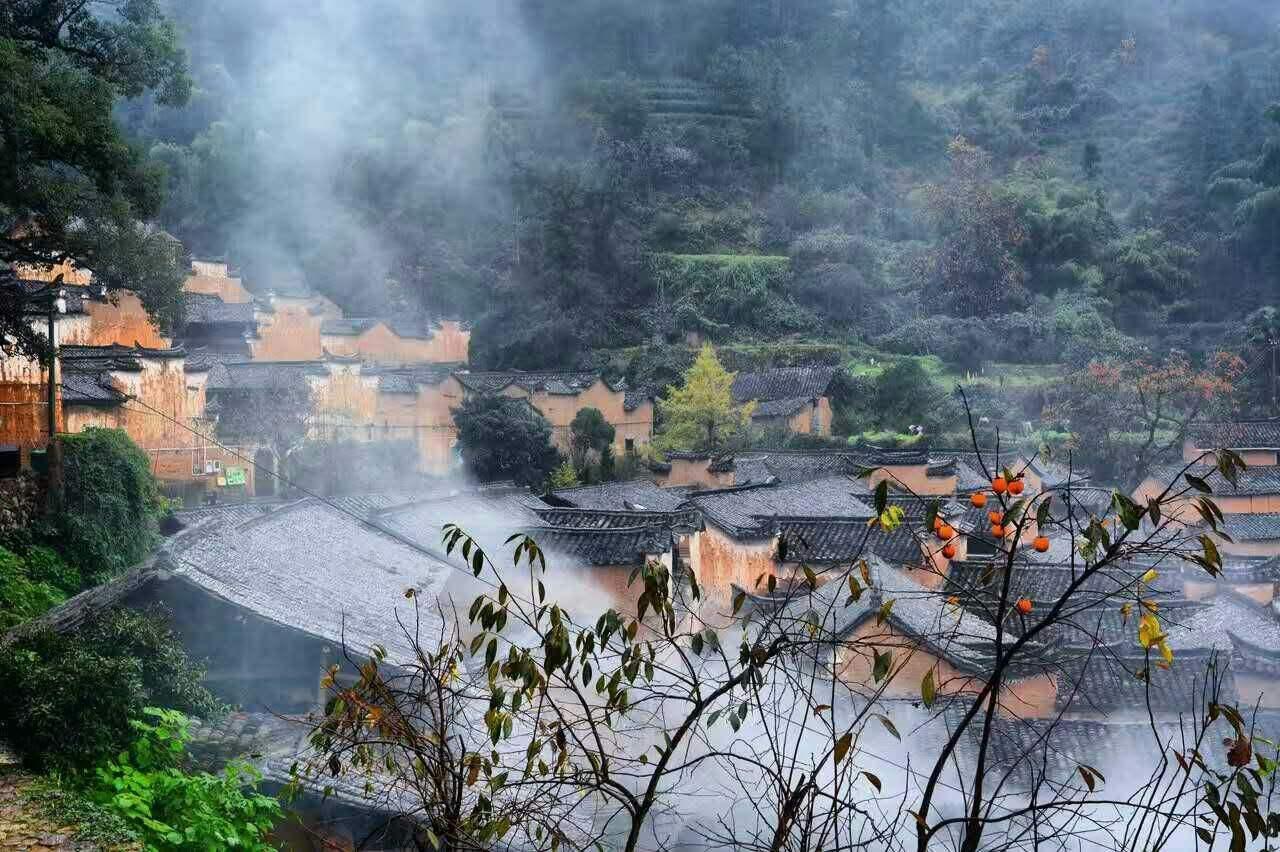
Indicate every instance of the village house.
{"type": "Point", "coordinates": [1257, 441]}
{"type": "Point", "coordinates": [791, 399]}
{"type": "Point", "coordinates": [559, 396]}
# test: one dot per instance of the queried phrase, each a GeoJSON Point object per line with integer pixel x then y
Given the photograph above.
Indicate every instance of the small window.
{"type": "Point", "coordinates": [631, 445]}
{"type": "Point", "coordinates": [40, 461]}
{"type": "Point", "coordinates": [10, 461]}
{"type": "Point", "coordinates": [979, 548]}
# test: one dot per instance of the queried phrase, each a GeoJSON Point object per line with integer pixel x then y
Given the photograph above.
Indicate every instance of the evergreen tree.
{"type": "Point", "coordinates": [701, 414]}
{"type": "Point", "coordinates": [503, 438]}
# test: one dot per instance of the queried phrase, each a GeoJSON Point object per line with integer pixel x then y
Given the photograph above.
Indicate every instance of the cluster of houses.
{"type": "Point", "coordinates": [372, 379]}
{"type": "Point", "coordinates": [272, 593]}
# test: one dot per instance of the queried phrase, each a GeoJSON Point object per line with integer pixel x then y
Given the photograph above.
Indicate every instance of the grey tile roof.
{"type": "Point", "coordinates": [634, 398]}
{"type": "Point", "coordinates": [1252, 481]}
{"type": "Point", "coordinates": [492, 513]}
{"type": "Point", "coordinates": [251, 375]}
{"type": "Point", "coordinates": [748, 511]}
{"type": "Point", "coordinates": [401, 327]}
{"type": "Point", "coordinates": [1239, 434]}
{"type": "Point", "coordinates": [408, 379]}
{"type": "Point", "coordinates": [797, 465]}
{"type": "Point", "coordinates": [782, 383]}
{"type": "Point", "coordinates": [1106, 683]}
{"type": "Point", "coordinates": [779, 407]}
{"type": "Point", "coordinates": [314, 568]}
{"type": "Point", "coordinates": [627, 495]}
{"type": "Point", "coordinates": [923, 614]}
{"type": "Point", "coordinates": [76, 295]}
{"type": "Point", "coordinates": [870, 455]}
{"type": "Point", "coordinates": [89, 389]}
{"type": "Point", "coordinates": [564, 382]}
{"type": "Point", "coordinates": [840, 541]}
{"type": "Point", "coordinates": [113, 357]}
{"type": "Point", "coordinates": [1261, 526]}
{"type": "Point", "coordinates": [206, 308]}
{"type": "Point", "coordinates": [609, 519]}
{"type": "Point", "coordinates": [614, 546]}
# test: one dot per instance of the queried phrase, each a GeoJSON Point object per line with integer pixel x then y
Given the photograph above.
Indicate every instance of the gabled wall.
{"type": "Point", "coordinates": [380, 345]}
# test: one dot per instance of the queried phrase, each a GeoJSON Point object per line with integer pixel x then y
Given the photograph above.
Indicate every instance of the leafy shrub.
{"type": "Point", "coordinates": [170, 809]}
{"type": "Point", "coordinates": [94, 823]}
{"type": "Point", "coordinates": [505, 438]}
{"type": "Point", "coordinates": [33, 582]}
{"type": "Point", "coordinates": [69, 698]}
{"type": "Point", "coordinates": [108, 504]}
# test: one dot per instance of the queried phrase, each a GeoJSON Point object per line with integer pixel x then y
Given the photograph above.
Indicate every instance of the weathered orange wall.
{"type": "Point", "coordinates": [560, 409]}
{"type": "Point", "coordinates": [1032, 697]}
{"type": "Point", "coordinates": [802, 422]}
{"type": "Point", "coordinates": [381, 345]}
{"type": "Point", "coordinates": [69, 272]}
{"type": "Point", "coordinates": [123, 320]}
{"type": "Point", "coordinates": [914, 479]}
{"type": "Point", "coordinates": [1253, 458]}
{"type": "Point", "coordinates": [289, 333]}
{"type": "Point", "coordinates": [214, 279]}
{"type": "Point", "coordinates": [719, 562]}
{"type": "Point", "coordinates": [694, 472]}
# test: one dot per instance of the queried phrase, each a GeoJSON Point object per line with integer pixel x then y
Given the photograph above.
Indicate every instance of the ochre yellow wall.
{"type": "Point", "coordinates": [694, 472]}
{"type": "Point", "coordinates": [381, 345]}
{"type": "Point", "coordinates": [802, 422]}
{"type": "Point", "coordinates": [719, 562]}
{"type": "Point", "coordinates": [290, 332]}
{"type": "Point", "coordinates": [1253, 458]}
{"type": "Point", "coordinates": [122, 320]}
{"type": "Point", "coordinates": [560, 409]}
{"type": "Point", "coordinates": [69, 272]}
{"type": "Point", "coordinates": [1032, 697]}
{"type": "Point", "coordinates": [914, 479]}
{"type": "Point", "coordinates": [229, 290]}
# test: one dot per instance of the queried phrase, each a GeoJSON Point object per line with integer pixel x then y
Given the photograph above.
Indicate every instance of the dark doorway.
{"type": "Point", "coordinates": [263, 467]}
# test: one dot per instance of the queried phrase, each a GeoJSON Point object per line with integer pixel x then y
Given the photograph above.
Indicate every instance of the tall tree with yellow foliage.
{"type": "Point", "coordinates": [701, 414]}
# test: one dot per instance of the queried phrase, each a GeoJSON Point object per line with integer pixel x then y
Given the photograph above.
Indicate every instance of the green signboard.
{"type": "Point", "coordinates": [235, 476]}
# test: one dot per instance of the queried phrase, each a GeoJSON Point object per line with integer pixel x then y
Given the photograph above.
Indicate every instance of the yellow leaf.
{"type": "Point", "coordinates": [1150, 576]}
{"type": "Point", "coordinates": [1149, 633]}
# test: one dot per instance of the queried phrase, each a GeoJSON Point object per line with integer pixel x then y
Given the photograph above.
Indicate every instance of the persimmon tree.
{"type": "Point", "coordinates": [537, 726]}
{"type": "Point", "coordinates": [1127, 414]}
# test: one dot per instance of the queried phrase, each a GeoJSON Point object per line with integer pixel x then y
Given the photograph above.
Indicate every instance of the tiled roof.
{"type": "Point", "coordinates": [779, 407]}
{"type": "Point", "coordinates": [606, 519]}
{"type": "Point", "coordinates": [76, 295]}
{"type": "Point", "coordinates": [923, 614]}
{"type": "Point", "coordinates": [1253, 480]}
{"type": "Point", "coordinates": [796, 465]}
{"type": "Point", "coordinates": [748, 511]}
{"type": "Point", "coordinates": [113, 357]}
{"type": "Point", "coordinates": [207, 308]}
{"type": "Point", "coordinates": [626, 496]}
{"type": "Point", "coordinates": [565, 382]}
{"type": "Point", "coordinates": [203, 360]}
{"type": "Point", "coordinates": [1239, 434]}
{"type": "Point", "coordinates": [870, 455]}
{"type": "Point", "coordinates": [89, 389]}
{"type": "Point", "coordinates": [829, 540]}
{"type": "Point", "coordinates": [1261, 526]}
{"type": "Point", "coordinates": [493, 512]}
{"type": "Point", "coordinates": [782, 383]}
{"type": "Point", "coordinates": [1104, 683]}
{"type": "Point", "coordinates": [615, 546]}
{"type": "Point", "coordinates": [401, 327]}
{"type": "Point", "coordinates": [634, 398]}
{"type": "Point", "coordinates": [256, 375]}
{"type": "Point", "coordinates": [1056, 748]}
{"type": "Point", "coordinates": [312, 567]}
{"type": "Point", "coordinates": [407, 380]}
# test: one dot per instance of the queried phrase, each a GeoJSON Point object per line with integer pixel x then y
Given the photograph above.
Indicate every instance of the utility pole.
{"type": "Point", "coordinates": [57, 305]}
{"type": "Point", "coordinates": [1274, 343]}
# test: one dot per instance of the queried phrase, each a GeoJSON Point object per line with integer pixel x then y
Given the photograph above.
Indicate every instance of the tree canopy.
{"type": "Point", "coordinates": [72, 185]}
{"type": "Point", "coordinates": [700, 414]}
{"type": "Point", "coordinates": [505, 439]}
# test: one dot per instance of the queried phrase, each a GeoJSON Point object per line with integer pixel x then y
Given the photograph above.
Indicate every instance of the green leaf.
{"type": "Point", "coordinates": [810, 577]}
{"type": "Point", "coordinates": [883, 614]}
{"type": "Point", "coordinates": [882, 496]}
{"type": "Point", "coordinates": [928, 691]}
{"type": "Point", "coordinates": [880, 669]}
{"type": "Point", "coordinates": [738, 600]}
{"type": "Point", "coordinates": [855, 588]}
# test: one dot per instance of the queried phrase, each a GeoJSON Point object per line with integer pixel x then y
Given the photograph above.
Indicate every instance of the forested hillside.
{"type": "Point", "coordinates": [1037, 181]}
